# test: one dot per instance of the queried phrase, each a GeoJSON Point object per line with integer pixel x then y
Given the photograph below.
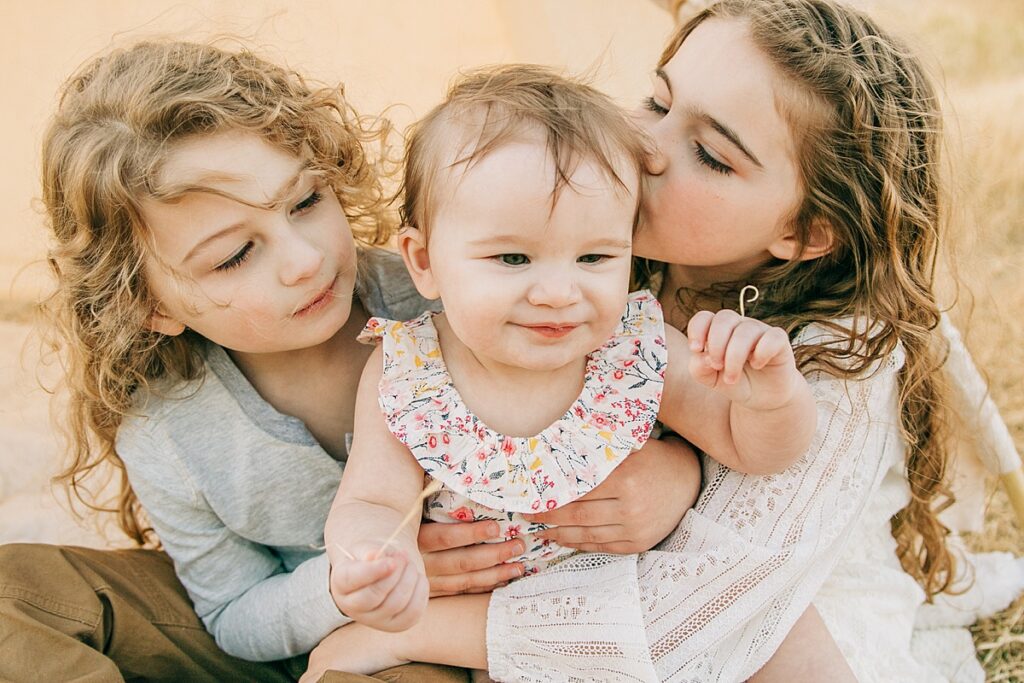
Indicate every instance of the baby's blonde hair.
{"type": "Point", "coordinates": [492, 106]}
{"type": "Point", "coordinates": [118, 119]}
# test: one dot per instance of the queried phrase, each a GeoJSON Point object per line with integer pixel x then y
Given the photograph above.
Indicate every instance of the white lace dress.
{"type": "Point", "coordinates": [715, 600]}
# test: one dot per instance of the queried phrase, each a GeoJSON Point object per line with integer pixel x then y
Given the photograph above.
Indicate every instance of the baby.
{"type": "Point", "coordinates": [544, 372]}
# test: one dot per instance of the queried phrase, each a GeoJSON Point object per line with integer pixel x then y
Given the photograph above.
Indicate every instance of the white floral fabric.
{"type": "Point", "coordinates": [488, 475]}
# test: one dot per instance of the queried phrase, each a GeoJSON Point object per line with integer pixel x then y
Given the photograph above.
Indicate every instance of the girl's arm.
{"type": "Point", "coordinates": [383, 586]}
{"type": "Point", "coordinates": [717, 598]}
{"type": "Point", "coordinates": [734, 391]}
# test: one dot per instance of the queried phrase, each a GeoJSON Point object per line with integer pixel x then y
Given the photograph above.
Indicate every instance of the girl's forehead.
{"type": "Point", "coordinates": [719, 73]}
{"type": "Point", "coordinates": [239, 164]}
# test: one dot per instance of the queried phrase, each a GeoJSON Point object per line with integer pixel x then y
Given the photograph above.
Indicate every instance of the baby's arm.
{"type": "Point", "coordinates": [382, 587]}
{"type": "Point", "coordinates": [734, 391]}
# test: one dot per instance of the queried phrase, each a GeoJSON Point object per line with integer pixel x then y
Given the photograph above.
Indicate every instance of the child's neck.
{"type": "Point", "coordinates": [511, 400]}
{"type": "Point", "coordinates": [316, 384]}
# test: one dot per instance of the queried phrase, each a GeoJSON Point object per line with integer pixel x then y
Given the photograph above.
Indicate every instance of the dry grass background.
{"type": "Point", "coordinates": [978, 50]}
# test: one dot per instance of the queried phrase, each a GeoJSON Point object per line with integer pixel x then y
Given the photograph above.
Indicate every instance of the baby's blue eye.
{"type": "Point", "coordinates": [513, 259]}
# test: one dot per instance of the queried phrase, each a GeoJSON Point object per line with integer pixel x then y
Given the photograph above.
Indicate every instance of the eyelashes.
{"type": "Point", "coordinates": [705, 158]}
{"type": "Point", "coordinates": [242, 255]}
{"type": "Point", "coordinates": [700, 152]}
{"type": "Point", "coordinates": [651, 104]}
{"type": "Point", "coordinates": [237, 259]}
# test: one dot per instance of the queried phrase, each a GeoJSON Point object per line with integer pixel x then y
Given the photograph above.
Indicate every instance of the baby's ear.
{"type": "Point", "coordinates": [162, 323]}
{"type": "Point", "coordinates": [412, 245]}
{"type": "Point", "coordinates": [820, 242]}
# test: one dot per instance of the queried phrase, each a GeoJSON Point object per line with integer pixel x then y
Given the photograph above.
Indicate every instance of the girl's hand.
{"type": "Point", "coordinates": [639, 504]}
{"type": "Point", "coordinates": [750, 362]}
{"type": "Point", "coordinates": [381, 588]}
{"type": "Point", "coordinates": [457, 560]}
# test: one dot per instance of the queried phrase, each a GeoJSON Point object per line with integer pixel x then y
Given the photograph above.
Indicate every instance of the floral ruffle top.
{"type": "Point", "coordinates": [487, 475]}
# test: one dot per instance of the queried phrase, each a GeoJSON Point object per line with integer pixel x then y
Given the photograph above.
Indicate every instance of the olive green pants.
{"type": "Point", "coordinates": [86, 615]}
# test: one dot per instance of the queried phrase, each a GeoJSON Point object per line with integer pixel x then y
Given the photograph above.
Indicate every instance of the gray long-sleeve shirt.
{"type": "Point", "coordinates": [239, 493]}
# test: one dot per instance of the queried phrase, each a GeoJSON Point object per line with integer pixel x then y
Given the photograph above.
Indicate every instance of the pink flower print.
{"type": "Point", "coordinates": [468, 479]}
{"type": "Point", "coordinates": [618, 374]}
{"type": "Point", "coordinates": [535, 505]}
{"type": "Point", "coordinates": [598, 420]}
{"type": "Point", "coordinates": [446, 458]}
{"type": "Point", "coordinates": [551, 504]}
{"type": "Point", "coordinates": [373, 323]}
{"type": "Point", "coordinates": [508, 447]}
{"type": "Point", "coordinates": [636, 342]}
{"type": "Point", "coordinates": [485, 481]}
{"type": "Point", "coordinates": [432, 442]}
{"type": "Point", "coordinates": [462, 514]}
{"type": "Point", "coordinates": [628, 363]}
{"type": "Point", "coordinates": [481, 455]}
{"type": "Point", "coordinates": [512, 532]}
{"type": "Point", "coordinates": [445, 439]}
{"type": "Point", "coordinates": [599, 398]}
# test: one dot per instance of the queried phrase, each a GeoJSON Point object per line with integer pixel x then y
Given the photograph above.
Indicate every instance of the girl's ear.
{"type": "Point", "coordinates": [162, 323]}
{"type": "Point", "coordinates": [820, 242]}
{"type": "Point", "coordinates": [412, 245]}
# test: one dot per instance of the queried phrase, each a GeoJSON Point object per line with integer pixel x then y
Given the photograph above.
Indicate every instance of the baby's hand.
{"type": "Point", "coordinates": [382, 588]}
{"type": "Point", "coordinates": [750, 362]}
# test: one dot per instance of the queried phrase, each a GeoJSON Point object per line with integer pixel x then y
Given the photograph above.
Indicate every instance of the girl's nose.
{"type": "Point", "coordinates": [557, 290]}
{"type": "Point", "coordinates": [655, 160]}
{"type": "Point", "coordinates": [302, 260]}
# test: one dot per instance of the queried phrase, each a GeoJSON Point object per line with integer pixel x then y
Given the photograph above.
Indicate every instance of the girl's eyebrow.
{"type": "Point", "coordinates": [282, 193]}
{"type": "Point", "coordinates": [719, 127]}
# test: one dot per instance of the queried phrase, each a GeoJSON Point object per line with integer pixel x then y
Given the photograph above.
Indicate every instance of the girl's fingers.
{"type": "Point", "coordinates": [582, 512]}
{"type": "Point", "coordinates": [434, 537]}
{"type": "Point", "coordinates": [697, 330]}
{"type": "Point", "coordinates": [472, 559]}
{"type": "Point", "coordinates": [574, 536]}
{"type": "Point", "coordinates": [482, 581]}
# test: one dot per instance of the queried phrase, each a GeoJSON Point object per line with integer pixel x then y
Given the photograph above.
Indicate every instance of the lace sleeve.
{"type": "Point", "coordinates": [719, 595]}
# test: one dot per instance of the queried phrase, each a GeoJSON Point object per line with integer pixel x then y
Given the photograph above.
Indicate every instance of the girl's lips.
{"type": "Point", "coordinates": [318, 302]}
{"type": "Point", "coordinates": [552, 331]}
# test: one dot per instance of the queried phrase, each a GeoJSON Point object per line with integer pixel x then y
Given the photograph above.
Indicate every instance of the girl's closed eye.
{"type": "Point", "coordinates": [311, 200]}
{"type": "Point", "coordinates": [513, 259]}
{"type": "Point", "coordinates": [652, 104]}
{"type": "Point", "coordinates": [707, 159]}
{"type": "Point", "coordinates": [236, 259]}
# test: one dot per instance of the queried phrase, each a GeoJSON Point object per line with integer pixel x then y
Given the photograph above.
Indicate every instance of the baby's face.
{"type": "Point", "coordinates": [525, 284]}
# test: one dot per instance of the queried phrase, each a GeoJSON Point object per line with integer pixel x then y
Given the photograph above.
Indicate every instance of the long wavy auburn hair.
{"type": "Point", "coordinates": [117, 120]}
{"type": "Point", "coordinates": [868, 130]}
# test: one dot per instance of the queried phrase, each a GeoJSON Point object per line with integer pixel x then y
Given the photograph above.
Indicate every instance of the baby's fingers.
{"type": "Point", "coordinates": [773, 348]}
{"type": "Point", "coordinates": [697, 330]}
{"type": "Point", "coordinates": [371, 595]}
{"type": "Point", "coordinates": [355, 575]}
{"type": "Point", "coordinates": [740, 349]}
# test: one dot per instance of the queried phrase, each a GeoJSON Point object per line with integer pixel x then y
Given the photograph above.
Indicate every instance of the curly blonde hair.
{"type": "Point", "coordinates": [117, 120]}
{"type": "Point", "coordinates": [868, 131]}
